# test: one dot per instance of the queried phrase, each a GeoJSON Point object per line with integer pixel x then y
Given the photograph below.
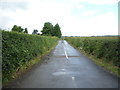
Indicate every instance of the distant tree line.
{"type": "Point", "coordinates": [47, 30]}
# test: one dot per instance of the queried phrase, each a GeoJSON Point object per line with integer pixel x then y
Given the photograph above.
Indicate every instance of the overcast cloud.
{"type": "Point", "coordinates": [76, 17]}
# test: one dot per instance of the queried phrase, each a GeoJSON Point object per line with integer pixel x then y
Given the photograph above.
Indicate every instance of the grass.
{"type": "Point", "coordinates": [100, 62]}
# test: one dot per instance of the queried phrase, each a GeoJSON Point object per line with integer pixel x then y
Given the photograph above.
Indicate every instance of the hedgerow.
{"type": "Point", "coordinates": [20, 48]}
{"type": "Point", "coordinates": [101, 47]}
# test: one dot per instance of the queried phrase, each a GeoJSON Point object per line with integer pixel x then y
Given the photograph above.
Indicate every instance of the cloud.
{"type": "Point", "coordinates": [90, 12]}
{"type": "Point", "coordinates": [7, 8]}
{"type": "Point", "coordinates": [4, 22]}
{"type": "Point", "coordinates": [99, 2]}
{"type": "Point", "coordinates": [79, 6]}
{"type": "Point", "coordinates": [103, 24]}
{"type": "Point", "coordinates": [39, 13]}
{"type": "Point", "coordinates": [12, 5]}
{"type": "Point", "coordinates": [60, 11]}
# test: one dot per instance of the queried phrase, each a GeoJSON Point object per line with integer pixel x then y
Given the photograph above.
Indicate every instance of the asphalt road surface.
{"type": "Point", "coordinates": [65, 67]}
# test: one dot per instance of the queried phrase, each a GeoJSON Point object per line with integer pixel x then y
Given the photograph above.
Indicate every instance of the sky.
{"type": "Point", "coordinates": [75, 17]}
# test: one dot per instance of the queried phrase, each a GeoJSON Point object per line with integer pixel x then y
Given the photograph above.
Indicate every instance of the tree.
{"type": "Point", "coordinates": [35, 31]}
{"type": "Point", "coordinates": [26, 30]}
{"type": "Point", "coordinates": [47, 29]}
{"type": "Point", "coordinates": [57, 31]}
{"type": "Point", "coordinates": [17, 28]}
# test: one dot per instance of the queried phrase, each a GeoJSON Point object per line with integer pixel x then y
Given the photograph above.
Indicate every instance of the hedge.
{"type": "Point", "coordinates": [20, 48]}
{"type": "Point", "coordinates": [102, 47]}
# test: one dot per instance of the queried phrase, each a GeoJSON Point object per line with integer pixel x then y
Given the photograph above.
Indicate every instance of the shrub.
{"type": "Point", "coordinates": [20, 48]}
{"type": "Point", "coordinates": [101, 47]}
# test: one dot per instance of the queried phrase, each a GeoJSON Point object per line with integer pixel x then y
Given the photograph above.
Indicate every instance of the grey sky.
{"type": "Point", "coordinates": [10, 6]}
{"type": "Point", "coordinates": [76, 17]}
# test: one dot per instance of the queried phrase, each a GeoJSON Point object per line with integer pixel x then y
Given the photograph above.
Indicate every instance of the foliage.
{"type": "Point", "coordinates": [26, 30]}
{"type": "Point", "coordinates": [57, 31]}
{"type": "Point", "coordinates": [17, 28]}
{"type": "Point", "coordinates": [20, 48]}
{"type": "Point", "coordinates": [50, 30]}
{"type": "Point", "coordinates": [47, 29]}
{"type": "Point", "coordinates": [101, 47]}
{"type": "Point", "coordinates": [35, 31]}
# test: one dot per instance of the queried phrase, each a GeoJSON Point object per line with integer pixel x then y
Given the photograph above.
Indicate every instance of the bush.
{"type": "Point", "coordinates": [101, 47]}
{"type": "Point", "coordinates": [20, 48]}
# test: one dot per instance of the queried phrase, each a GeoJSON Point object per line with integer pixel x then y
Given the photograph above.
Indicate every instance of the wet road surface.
{"type": "Point", "coordinates": [66, 67]}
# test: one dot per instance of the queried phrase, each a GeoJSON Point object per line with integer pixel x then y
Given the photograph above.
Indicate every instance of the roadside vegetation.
{"type": "Point", "coordinates": [21, 50]}
{"type": "Point", "coordinates": [104, 51]}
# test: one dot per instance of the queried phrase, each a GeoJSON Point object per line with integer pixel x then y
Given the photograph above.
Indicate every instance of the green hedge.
{"type": "Point", "coordinates": [101, 47]}
{"type": "Point", "coordinates": [20, 48]}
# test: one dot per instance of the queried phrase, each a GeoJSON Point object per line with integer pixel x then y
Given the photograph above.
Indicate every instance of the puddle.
{"type": "Point", "coordinates": [64, 72]}
{"type": "Point", "coordinates": [59, 73]}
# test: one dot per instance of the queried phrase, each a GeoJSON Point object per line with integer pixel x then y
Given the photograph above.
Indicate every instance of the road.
{"type": "Point", "coordinates": [65, 67]}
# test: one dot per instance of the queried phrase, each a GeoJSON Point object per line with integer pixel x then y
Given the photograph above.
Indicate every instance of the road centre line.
{"type": "Point", "coordinates": [65, 52]}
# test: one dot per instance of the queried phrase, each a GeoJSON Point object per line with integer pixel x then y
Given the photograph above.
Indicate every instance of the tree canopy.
{"type": "Point", "coordinates": [26, 31]}
{"type": "Point", "coordinates": [19, 29]}
{"type": "Point", "coordinates": [50, 30]}
{"type": "Point", "coordinates": [57, 31]}
{"type": "Point", "coordinates": [47, 29]}
{"type": "Point", "coordinates": [35, 31]}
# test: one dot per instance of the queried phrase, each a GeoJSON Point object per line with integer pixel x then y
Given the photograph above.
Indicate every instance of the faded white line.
{"type": "Point", "coordinates": [66, 55]}
{"type": "Point", "coordinates": [65, 52]}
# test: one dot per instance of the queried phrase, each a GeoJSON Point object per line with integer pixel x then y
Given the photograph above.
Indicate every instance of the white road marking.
{"type": "Point", "coordinates": [65, 52]}
{"type": "Point", "coordinates": [66, 55]}
{"type": "Point", "coordinates": [73, 78]}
